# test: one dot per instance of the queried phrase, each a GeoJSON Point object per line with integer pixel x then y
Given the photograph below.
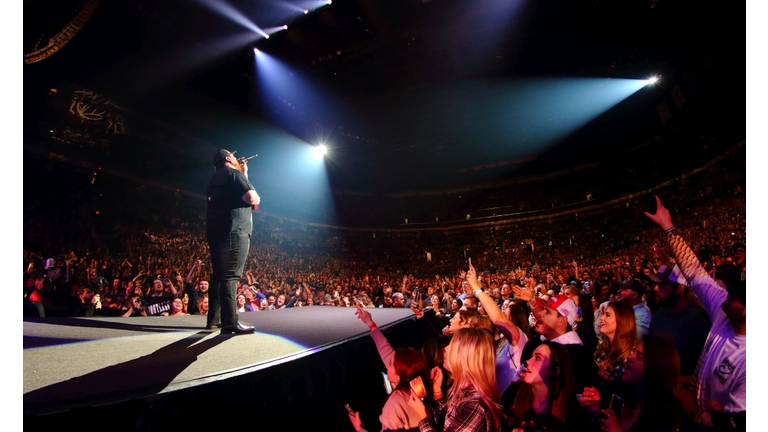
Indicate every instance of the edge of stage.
{"type": "Point", "coordinates": [297, 371]}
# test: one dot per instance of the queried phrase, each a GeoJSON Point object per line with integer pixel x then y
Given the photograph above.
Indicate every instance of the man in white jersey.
{"type": "Point", "coordinates": [721, 373]}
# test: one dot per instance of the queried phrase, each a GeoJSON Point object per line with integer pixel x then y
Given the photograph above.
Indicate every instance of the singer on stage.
{"type": "Point", "coordinates": [231, 198]}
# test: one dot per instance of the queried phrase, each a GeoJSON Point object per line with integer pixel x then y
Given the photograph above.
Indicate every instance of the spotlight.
{"type": "Point", "coordinates": [319, 151]}
{"type": "Point", "coordinates": [266, 36]}
{"type": "Point", "coordinates": [330, 1]}
{"type": "Point", "coordinates": [306, 11]}
{"type": "Point", "coordinates": [285, 27]}
{"type": "Point", "coordinates": [652, 80]}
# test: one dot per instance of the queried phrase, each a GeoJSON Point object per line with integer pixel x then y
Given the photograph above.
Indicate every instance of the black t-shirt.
{"type": "Point", "coordinates": [227, 212]}
{"type": "Point", "coordinates": [156, 305]}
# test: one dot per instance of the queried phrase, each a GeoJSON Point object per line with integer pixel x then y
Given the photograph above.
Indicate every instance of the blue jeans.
{"type": "Point", "coordinates": [228, 260]}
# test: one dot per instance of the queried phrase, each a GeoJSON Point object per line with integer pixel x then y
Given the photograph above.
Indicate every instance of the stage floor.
{"type": "Point", "coordinates": [82, 362]}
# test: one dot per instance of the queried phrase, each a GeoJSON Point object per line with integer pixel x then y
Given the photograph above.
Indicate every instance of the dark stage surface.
{"type": "Point", "coordinates": [73, 364]}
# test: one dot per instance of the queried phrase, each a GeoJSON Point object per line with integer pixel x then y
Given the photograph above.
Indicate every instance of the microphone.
{"type": "Point", "coordinates": [246, 159]}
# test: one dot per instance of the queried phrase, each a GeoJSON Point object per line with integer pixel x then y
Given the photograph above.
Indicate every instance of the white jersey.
{"type": "Point", "coordinates": [721, 373]}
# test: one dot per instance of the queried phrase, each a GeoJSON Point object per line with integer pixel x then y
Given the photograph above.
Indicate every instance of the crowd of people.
{"type": "Point", "coordinates": [497, 372]}
{"type": "Point", "coordinates": [577, 316]}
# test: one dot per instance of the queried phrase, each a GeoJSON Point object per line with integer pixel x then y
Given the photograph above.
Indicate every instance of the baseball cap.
{"type": "Point", "coordinates": [669, 273]}
{"type": "Point", "coordinates": [220, 156]}
{"type": "Point", "coordinates": [634, 285]}
{"type": "Point", "coordinates": [562, 304]}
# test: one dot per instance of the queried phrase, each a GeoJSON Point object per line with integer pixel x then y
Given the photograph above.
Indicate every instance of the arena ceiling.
{"type": "Point", "coordinates": [407, 94]}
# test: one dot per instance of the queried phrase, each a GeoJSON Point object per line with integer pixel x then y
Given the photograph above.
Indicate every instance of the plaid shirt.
{"type": "Point", "coordinates": [469, 413]}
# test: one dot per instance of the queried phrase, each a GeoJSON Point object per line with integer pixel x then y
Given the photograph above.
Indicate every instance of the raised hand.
{"type": "Point", "coordinates": [365, 316]}
{"type": "Point", "coordinates": [354, 417]}
{"type": "Point", "coordinates": [662, 218]}
{"type": "Point", "coordinates": [437, 380]}
{"type": "Point", "coordinates": [523, 293]}
{"type": "Point", "coordinates": [415, 307]}
{"type": "Point", "coordinates": [472, 278]}
{"type": "Point", "coordinates": [590, 400]}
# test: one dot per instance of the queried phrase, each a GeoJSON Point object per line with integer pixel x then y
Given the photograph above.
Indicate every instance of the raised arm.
{"type": "Point", "coordinates": [386, 352]}
{"type": "Point", "coordinates": [706, 289]}
{"type": "Point", "coordinates": [196, 265]}
{"type": "Point", "coordinates": [507, 327]}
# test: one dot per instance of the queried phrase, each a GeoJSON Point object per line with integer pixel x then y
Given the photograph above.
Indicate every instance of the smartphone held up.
{"type": "Point", "coordinates": [417, 385]}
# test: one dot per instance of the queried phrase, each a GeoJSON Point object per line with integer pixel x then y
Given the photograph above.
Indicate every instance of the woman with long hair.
{"type": "Point", "coordinates": [518, 315]}
{"type": "Point", "coordinates": [202, 305]}
{"type": "Point", "coordinates": [403, 366]}
{"type": "Point", "coordinates": [618, 339]}
{"type": "Point", "coordinates": [454, 307]}
{"type": "Point", "coordinates": [240, 302]}
{"type": "Point", "coordinates": [445, 310]}
{"type": "Point", "coordinates": [458, 321]}
{"type": "Point", "coordinates": [506, 369]}
{"type": "Point", "coordinates": [652, 391]}
{"type": "Point", "coordinates": [602, 295]}
{"type": "Point", "coordinates": [434, 352]}
{"type": "Point", "coordinates": [545, 395]}
{"type": "Point", "coordinates": [434, 304]}
{"type": "Point", "coordinates": [509, 348]}
{"type": "Point", "coordinates": [472, 403]}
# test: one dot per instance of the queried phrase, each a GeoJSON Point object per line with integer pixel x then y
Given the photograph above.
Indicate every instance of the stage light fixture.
{"type": "Point", "coordinates": [652, 80]}
{"type": "Point", "coordinates": [266, 37]}
{"type": "Point", "coordinates": [319, 151]}
{"type": "Point", "coordinates": [285, 27]}
{"type": "Point", "coordinates": [306, 11]}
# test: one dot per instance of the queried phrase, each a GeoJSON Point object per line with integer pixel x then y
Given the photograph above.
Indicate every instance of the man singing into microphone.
{"type": "Point", "coordinates": [229, 224]}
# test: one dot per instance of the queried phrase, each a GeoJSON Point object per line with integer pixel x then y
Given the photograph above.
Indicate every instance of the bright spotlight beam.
{"type": "Point", "coordinates": [227, 10]}
{"type": "Point", "coordinates": [652, 80]}
{"type": "Point", "coordinates": [273, 30]}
